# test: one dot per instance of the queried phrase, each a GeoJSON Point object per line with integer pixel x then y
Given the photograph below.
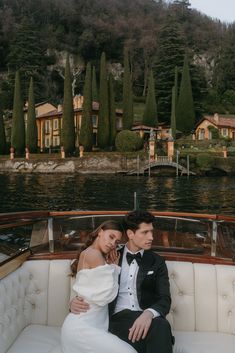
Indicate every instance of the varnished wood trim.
{"type": "Point", "coordinates": [197, 259]}
{"type": "Point", "coordinates": [54, 256]}
{"type": "Point", "coordinates": [86, 213]}
{"type": "Point", "coordinates": [45, 214]}
{"type": "Point", "coordinates": [13, 264]}
{"type": "Point", "coordinates": [17, 224]}
{"type": "Point", "coordinates": [167, 256]}
{"type": "Point", "coordinates": [23, 215]}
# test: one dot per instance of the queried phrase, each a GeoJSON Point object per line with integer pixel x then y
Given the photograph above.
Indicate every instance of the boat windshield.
{"type": "Point", "coordinates": [41, 233]}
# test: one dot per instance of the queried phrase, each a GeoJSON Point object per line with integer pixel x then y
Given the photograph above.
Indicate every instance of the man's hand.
{"type": "Point", "coordinates": [78, 306]}
{"type": "Point", "coordinates": [141, 326]}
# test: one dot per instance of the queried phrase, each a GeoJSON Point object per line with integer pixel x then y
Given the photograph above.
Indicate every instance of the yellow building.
{"type": "Point", "coordinates": [225, 124]}
{"type": "Point", "coordinates": [49, 124]}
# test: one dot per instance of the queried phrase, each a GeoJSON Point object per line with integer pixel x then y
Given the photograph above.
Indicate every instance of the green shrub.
{"type": "Point", "coordinates": [214, 132]}
{"type": "Point", "coordinates": [205, 161]}
{"type": "Point", "coordinates": [128, 141]}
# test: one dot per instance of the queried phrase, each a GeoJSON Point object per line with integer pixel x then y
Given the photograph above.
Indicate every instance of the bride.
{"type": "Point", "coordinates": [96, 282]}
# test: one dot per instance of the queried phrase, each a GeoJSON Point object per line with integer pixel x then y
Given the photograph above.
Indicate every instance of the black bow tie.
{"type": "Point", "coordinates": [130, 257]}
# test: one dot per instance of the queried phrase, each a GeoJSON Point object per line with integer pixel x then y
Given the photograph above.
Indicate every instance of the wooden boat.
{"type": "Point", "coordinates": [36, 249]}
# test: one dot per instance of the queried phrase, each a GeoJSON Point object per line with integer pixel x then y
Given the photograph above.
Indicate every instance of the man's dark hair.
{"type": "Point", "coordinates": [133, 219]}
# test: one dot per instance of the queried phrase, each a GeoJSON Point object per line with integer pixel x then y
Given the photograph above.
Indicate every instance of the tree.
{"type": "Point", "coordinates": [127, 94]}
{"type": "Point", "coordinates": [185, 108]}
{"type": "Point", "coordinates": [94, 86]}
{"type": "Point", "coordinates": [173, 112]}
{"type": "Point", "coordinates": [103, 123]}
{"type": "Point", "coordinates": [170, 54]}
{"type": "Point", "coordinates": [150, 112]}
{"type": "Point", "coordinates": [176, 86]}
{"type": "Point", "coordinates": [86, 132]}
{"type": "Point", "coordinates": [128, 141]}
{"type": "Point", "coordinates": [224, 73]}
{"type": "Point", "coordinates": [68, 130]}
{"type": "Point", "coordinates": [18, 126]}
{"type": "Point", "coordinates": [27, 53]}
{"type": "Point", "coordinates": [112, 113]}
{"type": "Point", "coordinates": [31, 130]}
{"type": "Point", "coordinates": [2, 135]}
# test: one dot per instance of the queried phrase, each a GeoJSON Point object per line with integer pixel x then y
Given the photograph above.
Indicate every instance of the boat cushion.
{"type": "Point", "coordinates": [37, 339]}
{"type": "Point", "coordinates": [34, 302]}
{"type": "Point", "coordinates": [203, 342]}
{"type": "Point", "coordinates": [46, 339]}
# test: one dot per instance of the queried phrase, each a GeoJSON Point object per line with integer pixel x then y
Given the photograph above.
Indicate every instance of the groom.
{"type": "Point", "coordinates": [137, 315]}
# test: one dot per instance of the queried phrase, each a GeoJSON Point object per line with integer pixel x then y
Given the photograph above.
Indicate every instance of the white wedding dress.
{"type": "Point", "coordinates": [88, 332]}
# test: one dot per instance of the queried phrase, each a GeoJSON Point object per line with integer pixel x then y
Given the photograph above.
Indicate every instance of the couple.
{"type": "Point", "coordinates": [137, 293]}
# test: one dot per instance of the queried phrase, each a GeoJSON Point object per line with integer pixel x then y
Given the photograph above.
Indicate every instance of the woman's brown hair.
{"type": "Point", "coordinates": [107, 225]}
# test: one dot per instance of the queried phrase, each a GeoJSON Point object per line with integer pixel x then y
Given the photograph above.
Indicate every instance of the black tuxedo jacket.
{"type": "Point", "coordinates": [153, 287]}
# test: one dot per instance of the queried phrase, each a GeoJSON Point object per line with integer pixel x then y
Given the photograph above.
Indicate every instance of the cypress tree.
{"type": "Point", "coordinates": [31, 130]}
{"type": "Point", "coordinates": [150, 112]}
{"type": "Point", "coordinates": [68, 130]}
{"type": "Point", "coordinates": [103, 123]}
{"type": "Point", "coordinates": [95, 96]}
{"type": "Point", "coordinates": [185, 106]}
{"type": "Point", "coordinates": [18, 126]}
{"type": "Point", "coordinates": [112, 113]}
{"type": "Point", "coordinates": [2, 135]}
{"type": "Point", "coordinates": [176, 86]}
{"type": "Point", "coordinates": [170, 54]}
{"type": "Point", "coordinates": [173, 111]}
{"type": "Point", "coordinates": [127, 94]}
{"type": "Point", "coordinates": [86, 132]}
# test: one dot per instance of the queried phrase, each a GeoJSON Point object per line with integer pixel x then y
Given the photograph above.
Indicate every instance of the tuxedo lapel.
{"type": "Point", "coordinates": [143, 270]}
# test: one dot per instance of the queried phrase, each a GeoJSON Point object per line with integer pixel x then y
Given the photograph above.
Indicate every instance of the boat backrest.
{"type": "Point", "coordinates": [203, 297]}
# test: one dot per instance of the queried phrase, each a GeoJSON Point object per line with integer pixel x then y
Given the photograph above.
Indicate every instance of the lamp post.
{"type": "Point", "coordinates": [177, 162]}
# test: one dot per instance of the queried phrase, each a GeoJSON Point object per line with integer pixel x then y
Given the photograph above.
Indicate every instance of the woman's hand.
{"type": "Point", "coordinates": [78, 306]}
{"type": "Point", "coordinates": [113, 257]}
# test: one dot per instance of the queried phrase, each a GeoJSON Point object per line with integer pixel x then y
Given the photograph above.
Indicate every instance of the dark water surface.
{"type": "Point", "coordinates": [111, 192]}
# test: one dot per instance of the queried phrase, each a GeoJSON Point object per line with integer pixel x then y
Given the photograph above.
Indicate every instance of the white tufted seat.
{"type": "Point", "coordinates": [34, 302]}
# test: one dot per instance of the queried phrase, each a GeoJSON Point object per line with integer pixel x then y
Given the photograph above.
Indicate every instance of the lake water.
{"type": "Point", "coordinates": [111, 192]}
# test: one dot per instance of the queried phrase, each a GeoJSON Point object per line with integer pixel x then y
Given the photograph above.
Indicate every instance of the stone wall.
{"type": "Point", "coordinates": [92, 164]}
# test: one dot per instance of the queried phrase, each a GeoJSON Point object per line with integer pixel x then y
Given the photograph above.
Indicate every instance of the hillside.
{"type": "Point", "coordinates": [35, 36]}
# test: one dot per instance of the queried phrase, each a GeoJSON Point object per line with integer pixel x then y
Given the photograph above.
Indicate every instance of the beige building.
{"type": "Point", "coordinates": [225, 124]}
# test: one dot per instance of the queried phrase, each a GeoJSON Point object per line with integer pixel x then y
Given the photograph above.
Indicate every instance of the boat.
{"type": "Point", "coordinates": [36, 250]}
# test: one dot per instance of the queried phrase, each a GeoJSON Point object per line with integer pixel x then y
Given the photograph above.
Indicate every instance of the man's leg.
{"type": "Point", "coordinates": [159, 337]}
{"type": "Point", "coordinates": [120, 324]}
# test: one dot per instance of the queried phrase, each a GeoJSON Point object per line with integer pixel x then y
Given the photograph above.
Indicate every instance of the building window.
{"type": "Point", "coordinates": [55, 124]}
{"type": "Point", "coordinates": [47, 142]}
{"type": "Point", "coordinates": [201, 134]}
{"type": "Point", "coordinates": [47, 126]}
{"type": "Point", "coordinates": [119, 123]}
{"type": "Point", "coordinates": [94, 139]}
{"type": "Point", "coordinates": [224, 132]}
{"type": "Point", "coordinates": [56, 141]}
{"type": "Point", "coordinates": [94, 121]}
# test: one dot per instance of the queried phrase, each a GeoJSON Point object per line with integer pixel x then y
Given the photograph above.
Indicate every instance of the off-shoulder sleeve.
{"type": "Point", "coordinates": [98, 285]}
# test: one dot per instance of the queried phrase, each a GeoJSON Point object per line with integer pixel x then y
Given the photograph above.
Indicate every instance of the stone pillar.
{"type": "Point", "coordinates": [170, 149]}
{"type": "Point", "coordinates": [62, 152]}
{"type": "Point", "coordinates": [225, 152]}
{"type": "Point", "coordinates": [26, 153]}
{"type": "Point", "coordinates": [151, 146]}
{"type": "Point", "coordinates": [81, 150]}
{"type": "Point", "coordinates": [12, 153]}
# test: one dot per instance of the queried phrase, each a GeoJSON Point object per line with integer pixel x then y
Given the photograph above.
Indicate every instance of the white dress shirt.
{"type": "Point", "coordinates": [127, 295]}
